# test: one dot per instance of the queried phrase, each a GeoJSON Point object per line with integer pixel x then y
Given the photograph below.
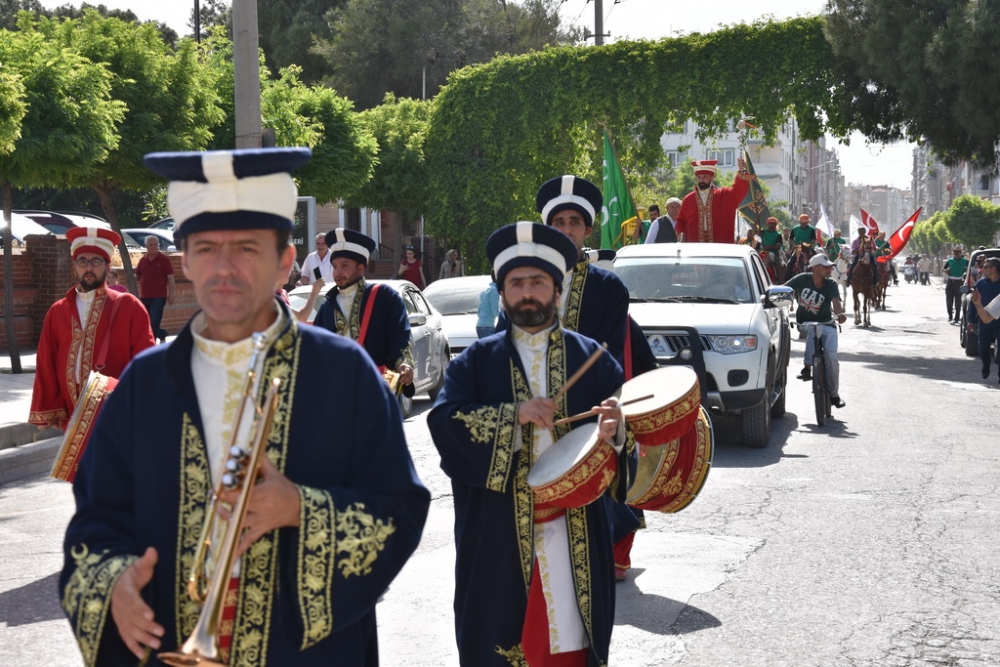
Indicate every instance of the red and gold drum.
{"type": "Point", "coordinates": [575, 470]}
{"type": "Point", "coordinates": [80, 423]}
{"type": "Point", "coordinates": [662, 404]}
{"type": "Point", "coordinates": [670, 476]}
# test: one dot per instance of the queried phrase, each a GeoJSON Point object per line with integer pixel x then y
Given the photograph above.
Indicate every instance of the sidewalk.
{"type": "Point", "coordinates": [24, 450]}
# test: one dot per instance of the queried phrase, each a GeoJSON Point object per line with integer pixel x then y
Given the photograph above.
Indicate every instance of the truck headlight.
{"type": "Point", "coordinates": [733, 344]}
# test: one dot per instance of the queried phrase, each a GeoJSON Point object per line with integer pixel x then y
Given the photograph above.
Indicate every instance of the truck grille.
{"type": "Point", "coordinates": [668, 344]}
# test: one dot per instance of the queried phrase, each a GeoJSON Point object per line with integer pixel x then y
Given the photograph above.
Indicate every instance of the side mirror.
{"type": "Point", "coordinates": [779, 296]}
{"type": "Point", "coordinates": [418, 320]}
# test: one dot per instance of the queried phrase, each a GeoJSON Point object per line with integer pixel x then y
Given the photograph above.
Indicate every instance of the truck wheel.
{"type": "Point", "coordinates": [778, 409]}
{"type": "Point", "coordinates": [756, 423]}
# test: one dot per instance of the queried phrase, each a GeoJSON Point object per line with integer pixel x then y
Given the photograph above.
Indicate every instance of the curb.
{"type": "Point", "coordinates": [28, 460]}
{"type": "Point", "coordinates": [14, 435]}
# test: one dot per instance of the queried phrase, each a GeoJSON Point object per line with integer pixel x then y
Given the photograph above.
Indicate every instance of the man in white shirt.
{"type": "Point", "coordinates": [317, 260]}
{"type": "Point", "coordinates": [655, 235]}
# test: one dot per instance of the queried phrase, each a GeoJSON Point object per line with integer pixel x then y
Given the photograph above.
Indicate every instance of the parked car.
{"type": "Point", "coordinates": [22, 226]}
{"type": "Point", "coordinates": [457, 299]}
{"type": "Point", "coordinates": [163, 237]}
{"type": "Point", "coordinates": [430, 346]}
{"type": "Point", "coordinates": [56, 223]}
{"type": "Point", "coordinates": [166, 224]}
{"type": "Point", "coordinates": [723, 291]}
{"type": "Point", "coordinates": [968, 334]}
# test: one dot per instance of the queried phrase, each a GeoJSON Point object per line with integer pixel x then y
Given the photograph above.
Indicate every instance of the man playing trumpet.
{"type": "Point", "coordinates": [335, 512]}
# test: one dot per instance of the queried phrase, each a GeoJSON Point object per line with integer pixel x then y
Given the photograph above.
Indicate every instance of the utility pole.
{"type": "Point", "coordinates": [197, 21]}
{"type": "Point", "coordinates": [598, 22]}
{"type": "Point", "coordinates": [246, 74]}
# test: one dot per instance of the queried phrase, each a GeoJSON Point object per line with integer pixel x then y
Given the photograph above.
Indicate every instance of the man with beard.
{"type": "Point", "coordinates": [531, 588]}
{"type": "Point", "coordinates": [372, 315]}
{"type": "Point", "coordinates": [708, 214]}
{"type": "Point", "coordinates": [91, 328]}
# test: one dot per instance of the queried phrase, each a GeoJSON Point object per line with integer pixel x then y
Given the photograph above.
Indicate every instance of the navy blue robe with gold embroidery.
{"type": "Point", "coordinates": [307, 595]}
{"type": "Point", "coordinates": [473, 424]}
{"type": "Point", "coordinates": [387, 340]}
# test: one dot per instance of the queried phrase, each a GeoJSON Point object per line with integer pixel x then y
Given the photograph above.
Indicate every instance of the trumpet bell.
{"type": "Point", "coordinates": [185, 660]}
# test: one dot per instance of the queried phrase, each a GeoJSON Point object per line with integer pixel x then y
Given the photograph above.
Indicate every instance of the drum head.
{"type": "Point", "coordinates": [563, 454]}
{"type": "Point", "coordinates": [658, 388]}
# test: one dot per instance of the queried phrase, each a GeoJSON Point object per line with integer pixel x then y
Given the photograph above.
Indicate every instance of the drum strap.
{"type": "Point", "coordinates": [103, 354]}
{"type": "Point", "coordinates": [366, 318]}
{"type": "Point", "coordinates": [628, 350]}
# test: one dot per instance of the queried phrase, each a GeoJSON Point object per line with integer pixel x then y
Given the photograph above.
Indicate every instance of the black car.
{"type": "Point", "coordinates": [969, 333]}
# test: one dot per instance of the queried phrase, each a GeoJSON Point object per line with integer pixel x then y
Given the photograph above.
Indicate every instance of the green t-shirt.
{"type": "Point", "coordinates": [956, 267]}
{"type": "Point", "coordinates": [802, 234]}
{"type": "Point", "coordinates": [833, 246]}
{"type": "Point", "coordinates": [768, 237]}
{"type": "Point", "coordinates": [815, 304]}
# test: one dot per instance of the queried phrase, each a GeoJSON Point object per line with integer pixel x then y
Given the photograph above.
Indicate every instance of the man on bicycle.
{"type": "Point", "coordinates": [816, 293]}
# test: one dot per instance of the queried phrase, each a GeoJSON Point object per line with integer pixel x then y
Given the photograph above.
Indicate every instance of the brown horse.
{"type": "Point", "coordinates": [881, 286]}
{"type": "Point", "coordinates": [863, 285]}
{"type": "Point", "coordinates": [799, 261]}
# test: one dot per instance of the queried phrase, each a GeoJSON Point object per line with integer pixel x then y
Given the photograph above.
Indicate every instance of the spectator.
{"type": "Point", "coordinates": [113, 281]}
{"type": "Point", "coordinates": [155, 274]}
{"type": "Point", "coordinates": [412, 269]}
{"type": "Point", "coordinates": [452, 267]}
{"type": "Point", "coordinates": [320, 259]}
{"type": "Point", "coordinates": [489, 310]}
{"type": "Point", "coordinates": [987, 289]}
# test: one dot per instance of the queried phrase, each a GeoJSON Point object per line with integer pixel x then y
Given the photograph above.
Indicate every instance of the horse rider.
{"type": "Point", "coordinates": [864, 244]}
{"type": "Point", "coordinates": [772, 247]}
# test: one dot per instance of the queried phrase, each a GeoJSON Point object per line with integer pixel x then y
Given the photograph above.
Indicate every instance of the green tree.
{"type": "Point", "coordinates": [399, 182]}
{"type": "Point", "coordinates": [924, 236]}
{"type": "Point", "coordinates": [215, 13]}
{"type": "Point", "coordinates": [923, 70]}
{"type": "Point", "coordinates": [380, 46]}
{"type": "Point", "coordinates": [170, 97]}
{"type": "Point", "coordinates": [67, 11]}
{"type": "Point", "coordinates": [10, 8]}
{"type": "Point", "coordinates": [972, 221]}
{"type": "Point", "coordinates": [288, 30]}
{"type": "Point", "coordinates": [501, 129]}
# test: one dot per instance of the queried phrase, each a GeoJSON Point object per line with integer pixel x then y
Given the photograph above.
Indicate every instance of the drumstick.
{"type": "Point", "coordinates": [591, 413]}
{"type": "Point", "coordinates": [583, 369]}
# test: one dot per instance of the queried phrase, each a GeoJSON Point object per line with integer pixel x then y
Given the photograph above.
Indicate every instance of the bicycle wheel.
{"type": "Point", "coordinates": [821, 396]}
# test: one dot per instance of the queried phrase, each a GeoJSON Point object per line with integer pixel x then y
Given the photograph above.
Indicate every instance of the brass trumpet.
{"type": "Point", "coordinates": [202, 646]}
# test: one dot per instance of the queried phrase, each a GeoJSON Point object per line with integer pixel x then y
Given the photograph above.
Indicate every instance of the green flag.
{"type": "Point", "coordinates": [618, 207]}
{"type": "Point", "coordinates": [754, 208]}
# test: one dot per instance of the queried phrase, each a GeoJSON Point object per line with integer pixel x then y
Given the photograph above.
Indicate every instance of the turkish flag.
{"type": "Point", "coordinates": [900, 237]}
{"type": "Point", "coordinates": [869, 223]}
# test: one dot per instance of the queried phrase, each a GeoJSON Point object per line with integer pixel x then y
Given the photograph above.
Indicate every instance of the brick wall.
{"type": "Point", "coordinates": [43, 273]}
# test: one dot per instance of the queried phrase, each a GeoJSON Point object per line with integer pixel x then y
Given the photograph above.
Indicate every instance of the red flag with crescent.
{"type": "Point", "coordinates": [900, 237]}
{"type": "Point", "coordinates": [869, 223]}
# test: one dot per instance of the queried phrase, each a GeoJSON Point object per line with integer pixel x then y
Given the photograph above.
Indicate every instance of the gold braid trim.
{"type": "Point", "coordinates": [571, 320]}
{"type": "Point", "coordinates": [350, 329]}
{"type": "Point", "coordinates": [493, 425]}
{"type": "Point", "coordinates": [194, 493]}
{"type": "Point", "coordinates": [82, 345]}
{"type": "Point", "coordinates": [524, 498]}
{"type": "Point", "coordinates": [315, 564]}
{"type": "Point", "coordinates": [579, 554]}
{"type": "Point", "coordinates": [360, 537]}
{"type": "Point", "coordinates": [87, 597]}
{"type": "Point", "coordinates": [514, 655]}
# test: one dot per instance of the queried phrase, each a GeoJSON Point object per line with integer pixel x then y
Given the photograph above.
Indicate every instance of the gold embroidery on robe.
{"type": "Point", "coordinates": [87, 597]}
{"type": "Point", "coordinates": [352, 329]}
{"type": "Point", "coordinates": [514, 655]}
{"type": "Point", "coordinates": [82, 345]}
{"type": "Point", "coordinates": [360, 537]}
{"type": "Point", "coordinates": [579, 552]}
{"type": "Point", "coordinates": [574, 297]}
{"type": "Point", "coordinates": [491, 425]}
{"type": "Point", "coordinates": [315, 563]}
{"type": "Point", "coordinates": [706, 234]}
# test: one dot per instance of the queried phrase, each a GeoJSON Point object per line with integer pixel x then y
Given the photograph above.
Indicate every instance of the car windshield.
{"type": "Point", "coordinates": [692, 279]}
{"type": "Point", "coordinates": [455, 300]}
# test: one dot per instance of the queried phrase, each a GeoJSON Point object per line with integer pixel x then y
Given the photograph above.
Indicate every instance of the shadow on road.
{"type": "Point", "coordinates": [653, 613]}
{"type": "Point", "coordinates": [964, 369]}
{"type": "Point", "coordinates": [32, 603]}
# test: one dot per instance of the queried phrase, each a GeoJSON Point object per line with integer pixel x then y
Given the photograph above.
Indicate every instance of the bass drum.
{"type": "Point", "coordinates": [80, 424]}
{"type": "Point", "coordinates": [671, 475]}
{"type": "Point", "coordinates": [574, 471]}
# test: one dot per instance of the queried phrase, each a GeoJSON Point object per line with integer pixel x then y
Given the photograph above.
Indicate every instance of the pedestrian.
{"type": "Point", "coordinates": [318, 259]}
{"type": "Point", "coordinates": [533, 585]}
{"type": "Point", "coordinates": [412, 269]}
{"type": "Point", "coordinates": [114, 281]}
{"type": "Point", "coordinates": [337, 508]}
{"type": "Point", "coordinates": [155, 273]}
{"type": "Point", "coordinates": [91, 328]}
{"type": "Point", "coordinates": [708, 214]}
{"type": "Point", "coordinates": [924, 269]}
{"type": "Point", "coordinates": [488, 311]}
{"type": "Point", "coordinates": [954, 270]}
{"type": "Point", "coordinates": [372, 315]}
{"type": "Point", "coordinates": [452, 266]}
{"type": "Point", "coordinates": [662, 229]}
{"type": "Point", "coordinates": [988, 289]}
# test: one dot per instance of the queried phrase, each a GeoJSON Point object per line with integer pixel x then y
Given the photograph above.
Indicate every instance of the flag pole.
{"type": "Point", "coordinates": [741, 131]}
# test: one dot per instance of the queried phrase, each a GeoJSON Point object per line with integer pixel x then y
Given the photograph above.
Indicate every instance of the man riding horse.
{"type": "Point", "coordinates": [804, 241]}
{"type": "Point", "coordinates": [771, 250]}
{"type": "Point", "coordinates": [865, 245]}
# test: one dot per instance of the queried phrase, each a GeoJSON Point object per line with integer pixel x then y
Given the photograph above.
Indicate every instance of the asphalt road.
{"type": "Point", "coordinates": [869, 541]}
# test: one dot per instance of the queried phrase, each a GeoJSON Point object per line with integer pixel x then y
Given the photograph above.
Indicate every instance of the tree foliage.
{"type": "Point", "coordinates": [925, 235]}
{"type": "Point", "coordinates": [972, 221]}
{"type": "Point", "coordinates": [288, 29]}
{"type": "Point", "coordinates": [923, 70]}
{"type": "Point", "coordinates": [380, 46]}
{"type": "Point", "coordinates": [499, 130]}
{"type": "Point", "coordinates": [10, 8]}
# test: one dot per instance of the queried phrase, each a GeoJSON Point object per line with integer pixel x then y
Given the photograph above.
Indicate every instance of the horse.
{"type": "Point", "coordinates": [882, 286]}
{"type": "Point", "coordinates": [863, 285]}
{"type": "Point", "coordinates": [840, 268]}
{"type": "Point", "coordinates": [799, 261]}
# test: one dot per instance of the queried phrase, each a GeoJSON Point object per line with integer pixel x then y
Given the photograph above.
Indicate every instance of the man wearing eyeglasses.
{"type": "Point", "coordinates": [89, 323]}
{"type": "Point", "coordinates": [155, 274]}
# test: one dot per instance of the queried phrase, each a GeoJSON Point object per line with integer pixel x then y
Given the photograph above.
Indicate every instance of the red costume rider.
{"type": "Point", "coordinates": [708, 214]}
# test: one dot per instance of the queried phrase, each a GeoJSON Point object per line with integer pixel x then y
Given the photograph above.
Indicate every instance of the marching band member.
{"type": "Point", "coordinates": [337, 509]}
{"type": "Point", "coordinates": [531, 588]}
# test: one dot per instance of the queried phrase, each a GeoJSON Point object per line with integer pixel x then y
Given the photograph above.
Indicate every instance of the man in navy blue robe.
{"type": "Point", "coordinates": [386, 336]}
{"type": "Point", "coordinates": [489, 424]}
{"type": "Point", "coordinates": [337, 509]}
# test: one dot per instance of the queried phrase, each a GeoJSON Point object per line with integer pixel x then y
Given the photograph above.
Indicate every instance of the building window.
{"type": "Point", "coordinates": [674, 157]}
{"type": "Point", "coordinates": [726, 158]}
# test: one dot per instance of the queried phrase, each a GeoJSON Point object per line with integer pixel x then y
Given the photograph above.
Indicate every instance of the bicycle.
{"type": "Point", "coordinates": [821, 392]}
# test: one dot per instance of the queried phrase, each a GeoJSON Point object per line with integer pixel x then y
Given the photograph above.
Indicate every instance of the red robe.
{"type": "Point", "coordinates": [714, 221]}
{"type": "Point", "coordinates": [64, 339]}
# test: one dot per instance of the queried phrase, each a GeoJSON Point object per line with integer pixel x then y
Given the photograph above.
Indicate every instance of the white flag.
{"type": "Point", "coordinates": [823, 224]}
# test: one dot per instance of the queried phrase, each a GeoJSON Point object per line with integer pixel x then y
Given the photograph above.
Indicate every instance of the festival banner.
{"type": "Point", "coordinates": [901, 237]}
{"type": "Point", "coordinates": [754, 206]}
{"type": "Point", "coordinates": [619, 211]}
